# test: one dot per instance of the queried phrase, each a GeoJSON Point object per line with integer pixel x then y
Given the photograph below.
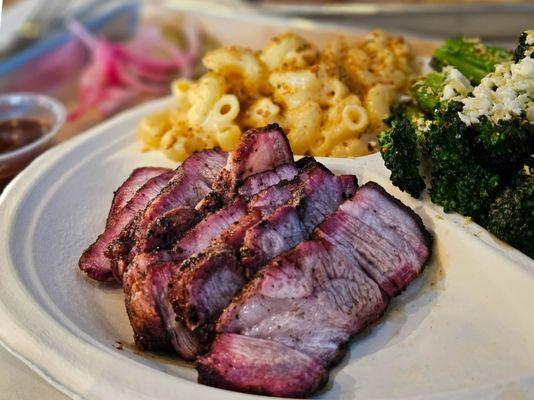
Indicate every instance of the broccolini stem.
{"type": "Point", "coordinates": [471, 57]}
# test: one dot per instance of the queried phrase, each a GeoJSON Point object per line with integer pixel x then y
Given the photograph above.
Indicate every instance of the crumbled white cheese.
{"type": "Point", "coordinates": [457, 86]}
{"type": "Point", "coordinates": [507, 92]}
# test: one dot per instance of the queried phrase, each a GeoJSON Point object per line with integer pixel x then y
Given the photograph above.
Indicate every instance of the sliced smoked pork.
{"type": "Point", "coordinates": [314, 298]}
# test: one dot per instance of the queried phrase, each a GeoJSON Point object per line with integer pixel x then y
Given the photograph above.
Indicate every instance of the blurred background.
{"type": "Point", "coordinates": [40, 53]}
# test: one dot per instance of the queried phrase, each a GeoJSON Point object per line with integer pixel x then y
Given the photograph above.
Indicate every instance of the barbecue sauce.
{"type": "Point", "coordinates": [16, 133]}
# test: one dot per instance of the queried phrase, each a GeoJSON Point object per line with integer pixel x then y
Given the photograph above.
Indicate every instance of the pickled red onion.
{"type": "Point", "coordinates": [119, 72]}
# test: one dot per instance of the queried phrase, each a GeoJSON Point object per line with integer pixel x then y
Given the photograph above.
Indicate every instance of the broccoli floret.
{"type": "Point", "coordinates": [523, 48]}
{"type": "Point", "coordinates": [470, 56]}
{"type": "Point", "coordinates": [399, 148]}
{"type": "Point", "coordinates": [446, 138]}
{"type": "Point", "coordinates": [458, 182]}
{"type": "Point", "coordinates": [427, 91]}
{"type": "Point", "coordinates": [504, 147]}
{"type": "Point", "coordinates": [468, 190]}
{"type": "Point", "coordinates": [511, 216]}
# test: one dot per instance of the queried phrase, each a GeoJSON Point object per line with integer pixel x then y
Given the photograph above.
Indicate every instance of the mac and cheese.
{"type": "Point", "coordinates": [330, 102]}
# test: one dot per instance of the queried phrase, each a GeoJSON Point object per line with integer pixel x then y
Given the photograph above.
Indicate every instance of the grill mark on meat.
{"type": "Point", "coordinates": [93, 260]}
{"type": "Point", "coordinates": [315, 297]}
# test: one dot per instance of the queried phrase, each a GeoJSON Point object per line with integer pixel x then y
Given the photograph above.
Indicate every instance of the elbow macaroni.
{"type": "Point", "coordinates": [330, 102]}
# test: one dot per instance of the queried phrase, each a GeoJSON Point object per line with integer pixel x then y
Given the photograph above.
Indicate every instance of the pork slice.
{"type": "Point", "coordinates": [146, 283]}
{"type": "Point", "coordinates": [318, 197]}
{"type": "Point", "coordinates": [158, 282]}
{"type": "Point", "coordinates": [93, 260]}
{"type": "Point", "coordinates": [153, 320]}
{"type": "Point", "coordinates": [149, 333]}
{"type": "Point", "coordinates": [166, 229]}
{"type": "Point", "coordinates": [386, 237]}
{"type": "Point", "coordinates": [258, 182]}
{"type": "Point", "coordinates": [196, 177]}
{"type": "Point", "coordinates": [313, 299]}
{"type": "Point", "coordinates": [199, 237]}
{"type": "Point", "coordinates": [260, 366]}
{"type": "Point", "coordinates": [192, 182]}
{"type": "Point", "coordinates": [127, 190]}
{"type": "Point", "coordinates": [261, 151]}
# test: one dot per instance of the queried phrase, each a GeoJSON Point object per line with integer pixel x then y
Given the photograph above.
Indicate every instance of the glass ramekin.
{"type": "Point", "coordinates": [31, 106]}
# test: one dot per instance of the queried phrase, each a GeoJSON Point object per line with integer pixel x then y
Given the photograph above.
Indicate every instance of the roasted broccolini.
{"type": "Point", "coordinates": [470, 56]}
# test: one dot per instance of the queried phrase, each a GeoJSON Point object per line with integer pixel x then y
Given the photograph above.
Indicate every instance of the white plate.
{"type": "Point", "coordinates": [465, 329]}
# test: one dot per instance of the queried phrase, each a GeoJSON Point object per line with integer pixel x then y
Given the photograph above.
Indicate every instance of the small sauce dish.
{"type": "Point", "coordinates": [28, 124]}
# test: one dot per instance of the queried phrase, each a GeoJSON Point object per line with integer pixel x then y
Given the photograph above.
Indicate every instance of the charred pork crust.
{"type": "Point", "coordinates": [130, 186]}
{"type": "Point", "coordinates": [164, 231]}
{"type": "Point", "coordinates": [193, 181]}
{"type": "Point", "coordinates": [93, 260]}
{"type": "Point", "coordinates": [149, 332]}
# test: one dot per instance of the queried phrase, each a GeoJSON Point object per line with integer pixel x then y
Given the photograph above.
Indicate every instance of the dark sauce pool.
{"type": "Point", "coordinates": [17, 133]}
